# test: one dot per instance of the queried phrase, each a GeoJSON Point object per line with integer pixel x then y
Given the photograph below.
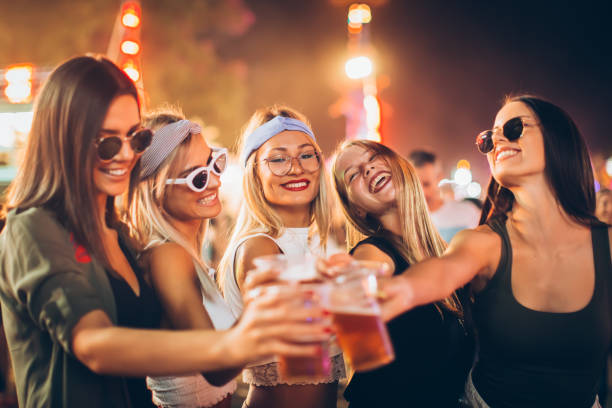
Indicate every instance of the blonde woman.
{"type": "Point", "coordinates": [388, 221]}
{"type": "Point", "coordinates": [284, 211]}
{"type": "Point", "coordinates": [171, 200]}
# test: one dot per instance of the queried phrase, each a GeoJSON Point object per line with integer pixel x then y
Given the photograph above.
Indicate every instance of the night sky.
{"type": "Point", "coordinates": [450, 64]}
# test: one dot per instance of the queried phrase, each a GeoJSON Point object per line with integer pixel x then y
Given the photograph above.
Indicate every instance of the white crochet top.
{"type": "Point", "coordinates": [193, 390]}
{"type": "Point", "coordinates": [293, 243]}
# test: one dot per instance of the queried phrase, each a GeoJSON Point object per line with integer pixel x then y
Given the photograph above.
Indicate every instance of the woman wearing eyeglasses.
{"type": "Point", "coordinates": [539, 265]}
{"type": "Point", "coordinates": [173, 197]}
{"type": "Point", "coordinates": [76, 309]}
{"type": "Point", "coordinates": [388, 221]}
{"type": "Point", "coordinates": [285, 210]}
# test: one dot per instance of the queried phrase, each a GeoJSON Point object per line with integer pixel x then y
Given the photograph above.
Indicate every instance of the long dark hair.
{"type": "Point", "coordinates": [57, 170]}
{"type": "Point", "coordinates": [568, 166]}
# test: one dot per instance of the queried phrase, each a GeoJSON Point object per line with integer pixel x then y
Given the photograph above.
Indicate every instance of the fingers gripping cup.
{"type": "Point", "coordinates": [292, 269]}
{"type": "Point", "coordinates": [361, 332]}
{"type": "Point", "coordinates": [298, 271]}
{"type": "Point", "coordinates": [307, 369]}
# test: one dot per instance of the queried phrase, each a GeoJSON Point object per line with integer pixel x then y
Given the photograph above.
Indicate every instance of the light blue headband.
{"type": "Point", "coordinates": [165, 140]}
{"type": "Point", "coordinates": [269, 129]}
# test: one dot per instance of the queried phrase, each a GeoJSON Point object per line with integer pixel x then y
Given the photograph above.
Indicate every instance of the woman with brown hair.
{"type": "Point", "coordinates": [388, 221]}
{"type": "Point", "coordinates": [76, 310]}
{"type": "Point", "coordinates": [539, 265]}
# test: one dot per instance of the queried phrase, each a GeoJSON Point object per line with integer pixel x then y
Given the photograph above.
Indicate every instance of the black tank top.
{"type": "Point", "coordinates": [530, 358]}
{"type": "Point", "coordinates": [139, 312]}
{"type": "Point", "coordinates": [433, 355]}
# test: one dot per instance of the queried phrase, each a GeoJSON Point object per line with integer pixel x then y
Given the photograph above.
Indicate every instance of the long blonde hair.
{"type": "Point", "coordinates": [256, 214]}
{"type": "Point", "coordinates": [149, 223]}
{"type": "Point", "coordinates": [419, 237]}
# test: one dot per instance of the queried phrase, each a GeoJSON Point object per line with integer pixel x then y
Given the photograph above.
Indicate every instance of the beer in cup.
{"type": "Point", "coordinates": [361, 332]}
{"type": "Point", "coordinates": [298, 270]}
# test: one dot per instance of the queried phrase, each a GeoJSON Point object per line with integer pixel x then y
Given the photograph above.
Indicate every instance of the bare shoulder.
{"type": "Point", "coordinates": [370, 252]}
{"type": "Point", "coordinates": [170, 256]}
{"type": "Point", "coordinates": [481, 245]}
{"type": "Point", "coordinates": [249, 250]}
{"type": "Point", "coordinates": [481, 235]}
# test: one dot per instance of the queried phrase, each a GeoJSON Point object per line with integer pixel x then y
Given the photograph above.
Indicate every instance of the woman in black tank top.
{"type": "Point", "coordinates": [388, 221]}
{"type": "Point", "coordinates": [539, 266]}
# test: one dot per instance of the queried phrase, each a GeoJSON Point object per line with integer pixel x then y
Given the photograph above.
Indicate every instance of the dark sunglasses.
{"type": "Point", "coordinates": [198, 179]}
{"type": "Point", "coordinates": [109, 146]}
{"type": "Point", "coordinates": [512, 130]}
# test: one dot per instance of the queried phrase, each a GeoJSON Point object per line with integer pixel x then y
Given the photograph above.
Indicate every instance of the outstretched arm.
{"type": "Point", "coordinates": [270, 324]}
{"type": "Point", "coordinates": [471, 253]}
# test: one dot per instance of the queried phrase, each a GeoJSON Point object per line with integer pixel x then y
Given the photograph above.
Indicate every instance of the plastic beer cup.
{"type": "Point", "coordinates": [361, 332]}
{"type": "Point", "coordinates": [301, 269]}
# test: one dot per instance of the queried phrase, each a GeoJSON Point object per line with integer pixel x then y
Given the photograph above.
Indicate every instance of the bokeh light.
{"type": "Point", "coordinates": [358, 67]}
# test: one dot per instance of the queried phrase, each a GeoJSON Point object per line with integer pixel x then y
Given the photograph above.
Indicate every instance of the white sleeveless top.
{"type": "Point", "coordinates": [293, 242]}
{"type": "Point", "coordinates": [193, 390]}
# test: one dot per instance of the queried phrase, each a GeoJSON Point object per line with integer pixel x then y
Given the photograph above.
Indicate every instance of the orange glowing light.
{"type": "Point", "coordinates": [359, 14]}
{"type": "Point", "coordinates": [130, 47]}
{"type": "Point", "coordinates": [463, 164]}
{"type": "Point", "coordinates": [131, 70]}
{"type": "Point", "coordinates": [130, 17]}
{"type": "Point", "coordinates": [19, 83]}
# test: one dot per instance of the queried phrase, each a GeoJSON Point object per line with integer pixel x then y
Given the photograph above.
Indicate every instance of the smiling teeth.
{"type": "Point", "coordinates": [116, 172]}
{"type": "Point", "coordinates": [376, 180]}
{"type": "Point", "coordinates": [506, 153]}
{"type": "Point", "coordinates": [296, 185]}
{"type": "Point", "coordinates": [207, 199]}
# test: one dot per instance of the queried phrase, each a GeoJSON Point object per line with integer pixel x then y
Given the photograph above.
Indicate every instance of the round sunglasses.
{"type": "Point", "coordinates": [512, 130]}
{"type": "Point", "coordinates": [198, 179]}
{"type": "Point", "coordinates": [109, 146]}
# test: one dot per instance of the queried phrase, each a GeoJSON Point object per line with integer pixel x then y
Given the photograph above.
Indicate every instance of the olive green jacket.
{"type": "Point", "coordinates": [47, 284]}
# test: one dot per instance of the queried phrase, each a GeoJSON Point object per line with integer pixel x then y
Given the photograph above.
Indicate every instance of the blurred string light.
{"type": "Point", "coordinates": [131, 70]}
{"type": "Point", "coordinates": [130, 47]}
{"type": "Point", "coordinates": [359, 14]}
{"type": "Point", "coordinates": [131, 15]}
{"type": "Point", "coordinates": [463, 164]}
{"type": "Point", "coordinates": [474, 189]}
{"type": "Point", "coordinates": [462, 177]}
{"type": "Point", "coordinates": [358, 67]}
{"type": "Point", "coordinates": [19, 83]}
{"type": "Point", "coordinates": [609, 166]}
{"type": "Point", "coordinates": [372, 109]}
{"type": "Point", "coordinates": [13, 126]}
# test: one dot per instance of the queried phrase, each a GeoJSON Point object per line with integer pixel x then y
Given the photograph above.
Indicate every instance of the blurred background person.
{"type": "Point", "coordinates": [604, 205]}
{"type": "Point", "coordinates": [448, 215]}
